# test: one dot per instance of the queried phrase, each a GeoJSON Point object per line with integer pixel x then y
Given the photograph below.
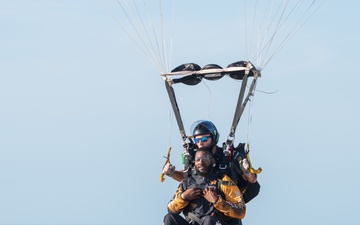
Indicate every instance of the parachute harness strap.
{"type": "Point", "coordinates": [228, 145]}
{"type": "Point", "coordinates": [187, 145]}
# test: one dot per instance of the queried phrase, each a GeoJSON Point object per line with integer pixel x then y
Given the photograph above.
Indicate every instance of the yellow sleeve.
{"type": "Point", "coordinates": [233, 205]}
{"type": "Point", "coordinates": [177, 204]}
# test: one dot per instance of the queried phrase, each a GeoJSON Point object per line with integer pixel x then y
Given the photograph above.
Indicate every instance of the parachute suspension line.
{"type": "Point", "coordinates": [163, 38]}
{"type": "Point", "coordinates": [252, 31]}
{"type": "Point", "coordinates": [159, 54]}
{"type": "Point", "coordinates": [163, 58]}
{"type": "Point", "coordinates": [131, 36]}
{"type": "Point", "coordinates": [261, 41]}
{"type": "Point", "coordinates": [248, 45]}
{"type": "Point", "coordinates": [151, 55]}
{"type": "Point", "coordinates": [301, 22]}
{"type": "Point", "coordinates": [171, 36]}
{"type": "Point", "coordinates": [256, 18]}
{"type": "Point", "coordinates": [268, 44]}
{"type": "Point", "coordinates": [279, 24]}
{"type": "Point", "coordinates": [245, 28]}
{"type": "Point", "coordinates": [259, 29]}
{"type": "Point", "coordinates": [284, 12]}
{"type": "Point", "coordinates": [136, 30]}
{"type": "Point", "coordinates": [140, 35]}
{"type": "Point", "coordinates": [210, 97]}
{"type": "Point", "coordinates": [270, 24]}
{"type": "Point", "coordinates": [165, 51]}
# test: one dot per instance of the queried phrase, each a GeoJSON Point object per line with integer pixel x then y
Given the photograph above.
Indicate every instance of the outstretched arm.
{"type": "Point", "coordinates": [170, 171]}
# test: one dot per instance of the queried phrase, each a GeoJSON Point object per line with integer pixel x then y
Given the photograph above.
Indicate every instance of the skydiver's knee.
{"type": "Point", "coordinates": [169, 219]}
{"type": "Point", "coordinates": [174, 219]}
{"type": "Point", "coordinates": [234, 221]}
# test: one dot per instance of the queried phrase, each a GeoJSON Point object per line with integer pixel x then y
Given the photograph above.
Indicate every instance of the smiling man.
{"type": "Point", "coordinates": [208, 198]}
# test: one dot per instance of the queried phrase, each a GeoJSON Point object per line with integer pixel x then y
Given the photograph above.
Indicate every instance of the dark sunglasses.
{"type": "Point", "coordinates": [205, 158]}
{"type": "Point", "coordinates": [202, 139]}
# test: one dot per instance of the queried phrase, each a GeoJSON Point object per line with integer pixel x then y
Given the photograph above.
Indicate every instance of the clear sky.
{"type": "Point", "coordinates": [85, 119]}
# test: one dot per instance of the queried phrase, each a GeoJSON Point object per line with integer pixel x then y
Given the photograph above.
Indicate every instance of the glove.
{"type": "Point", "coordinates": [169, 170]}
{"type": "Point", "coordinates": [245, 166]}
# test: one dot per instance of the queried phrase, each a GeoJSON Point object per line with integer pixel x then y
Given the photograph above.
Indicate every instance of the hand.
{"type": "Point", "coordinates": [192, 193]}
{"type": "Point", "coordinates": [245, 166]}
{"type": "Point", "coordinates": [169, 169]}
{"type": "Point", "coordinates": [210, 195]}
{"type": "Point", "coordinates": [252, 178]}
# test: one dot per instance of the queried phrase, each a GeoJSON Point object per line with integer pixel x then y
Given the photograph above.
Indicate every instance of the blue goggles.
{"type": "Point", "coordinates": [202, 139]}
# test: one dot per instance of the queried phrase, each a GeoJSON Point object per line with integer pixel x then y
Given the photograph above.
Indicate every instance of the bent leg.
{"type": "Point", "coordinates": [174, 219]}
{"type": "Point", "coordinates": [234, 221]}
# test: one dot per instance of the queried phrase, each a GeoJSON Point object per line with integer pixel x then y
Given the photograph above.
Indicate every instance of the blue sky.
{"type": "Point", "coordinates": [85, 119]}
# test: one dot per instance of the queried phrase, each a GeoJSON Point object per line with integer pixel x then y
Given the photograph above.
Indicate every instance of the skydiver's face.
{"type": "Point", "coordinates": [203, 162]}
{"type": "Point", "coordinates": [203, 140]}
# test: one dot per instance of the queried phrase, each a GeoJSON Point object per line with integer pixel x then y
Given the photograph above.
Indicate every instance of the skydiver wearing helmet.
{"type": "Point", "coordinates": [205, 134]}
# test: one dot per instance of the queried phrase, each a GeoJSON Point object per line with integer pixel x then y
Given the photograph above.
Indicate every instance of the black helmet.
{"type": "Point", "coordinates": [201, 127]}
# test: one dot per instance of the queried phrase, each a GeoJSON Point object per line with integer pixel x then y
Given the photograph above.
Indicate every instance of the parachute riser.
{"type": "Point", "coordinates": [241, 104]}
{"type": "Point", "coordinates": [238, 112]}
{"type": "Point", "coordinates": [240, 107]}
{"type": "Point", "coordinates": [187, 142]}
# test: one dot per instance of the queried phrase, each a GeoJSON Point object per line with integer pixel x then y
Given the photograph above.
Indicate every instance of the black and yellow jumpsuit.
{"type": "Point", "coordinates": [230, 204]}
